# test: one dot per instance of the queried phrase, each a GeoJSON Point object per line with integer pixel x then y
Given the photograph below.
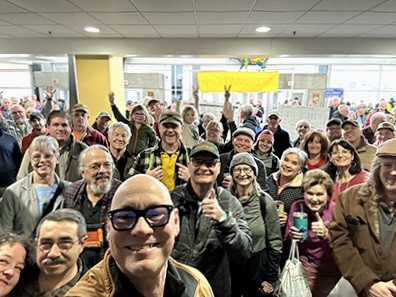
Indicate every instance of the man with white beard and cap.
{"type": "Point", "coordinates": [92, 196]}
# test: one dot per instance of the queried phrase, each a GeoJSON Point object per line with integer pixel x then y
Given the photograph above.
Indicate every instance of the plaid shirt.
{"type": "Point", "coordinates": [142, 161]}
{"type": "Point", "coordinates": [75, 192]}
{"type": "Point", "coordinates": [93, 136]}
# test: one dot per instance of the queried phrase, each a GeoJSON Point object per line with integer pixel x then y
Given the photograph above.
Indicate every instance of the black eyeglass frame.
{"type": "Point", "coordinates": [140, 213]}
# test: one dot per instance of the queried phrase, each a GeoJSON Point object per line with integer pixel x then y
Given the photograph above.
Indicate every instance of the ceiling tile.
{"type": "Point", "coordinates": [321, 17]}
{"type": "Point", "coordinates": [169, 18]}
{"type": "Point", "coordinates": [341, 5]}
{"type": "Point", "coordinates": [380, 18]}
{"type": "Point", "coordinates": [285, 5]}
{"type": "Point", "coordinates": [388, 6]}
{"type": "Point", "coordinates": [221, 17]}
{"type": "Point", "coordinates": [104, 5]}
{"type": "Point", "coordinates": [6, 7]}
{"type": "Point", "coordinates": [273, 17]}
{"type": "Point", "coordinates": [187, 31]}
{"type": "Point", "coordinates": [18, 31]}
{"type": "Point", "coordinates": [56, 31]}
{"type": "Point", "coordinates": [72, 18]}
{"type": "Point", "coordinates": [163, 5]}
{"type": "Point", "coordinates": [146, 31]}
{"type": "Point", "coordinates": [25, 19]}
{"type": "Point", "coordinates": [120, 18]}
{"type": "Point", "coordinates": [349, 30]}
{"type": "Point", "coordinates": [104, 30]}
{"type": "Point", "coordinates": [223, 5]}
{"type": "Point", "coordinates": [385, 30]}
{"type": "Point", "coordinates": [219, 30]}
{"type": "Point", "coordinates": [305, 30]}
{"type": "Point", "coordinates": [46, 5]}
{"type": "Point", "coordinates": [3, 23]}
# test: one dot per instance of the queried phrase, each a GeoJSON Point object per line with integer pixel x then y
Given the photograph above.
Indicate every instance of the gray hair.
{"type": "Point", "coordinates": [66, 214]}
{"type": "Point", "coordinates": [302, 156]}
{"type": "Point", "coordinates": [43, 142]}
{"type": "Point", "coordinates": [248, 108]}
{"type": "Point", "coordinates": [121, 125]}
{"type": "Point", "coordinates": [343, 107]}
{"type": "Point", "coordinates": [376, 116]}
{"type": "Point", "coordinates": [81, 158]}
{"type": "Point", "coordinates": [300, 122]}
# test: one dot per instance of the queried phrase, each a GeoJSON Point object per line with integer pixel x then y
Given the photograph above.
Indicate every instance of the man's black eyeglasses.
{"type": "Point", "coordinates": [125, 219]}
{"type": "Point", "coordinates": [208, 162]}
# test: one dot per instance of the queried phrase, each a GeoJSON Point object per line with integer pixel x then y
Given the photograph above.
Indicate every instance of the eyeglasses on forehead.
{"type": "Point", "coordinates": [126, 219]}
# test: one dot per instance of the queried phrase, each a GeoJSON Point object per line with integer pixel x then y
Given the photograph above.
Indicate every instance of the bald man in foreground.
{"type": "Point", "coordinates": [142, 227]}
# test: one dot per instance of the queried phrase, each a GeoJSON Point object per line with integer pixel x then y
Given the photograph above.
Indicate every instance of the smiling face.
{"type": "Point", "coordinates": [273, 122]}
{"type": "Point", "coordinates": [99, 179]}
{"type": "Point", "coordinates": [351, 134]}
{"type": "Point", "coordinates": [387, 174]}
{"type": "Point", "coordinates": [56, 261]}
{"type": "Point", "coordinates": [314, 147]}
{"type": "Point", "coordinates": [43, 162]}
{"type": "Point", "coordinates": [103, 123]}
{"type": "Point", "coordinates": [243, 175]}
{"type": "Point", "coordinates": [203, 174]}
{"type": "Point", "coordinates": [242, 143]}
{"type": "Point", "coordinates": [264, 146]}
{"type": "Point", "coordinates": [302, 129]}
{"type": "Point", "coordinates": [143, 251]}
{"type": "Point", "coordinates": [12, 262]}
{"type": "Point", "coordinates": [384, 135]}
{"type": "Point", "coordinates": [18, 114]}
{"type": "Point", "coordinates": [316, 198]}
{"type": "Point", "coordinates": [290, 166]}
{"type": "Point", "coordinates": [170, 133]}
{"type": "Point", "coordinates": [119, 139]}
{"type": "Point", "coordinates": [340, 156]}
{"type": "Point", "coordinates": [189, 117]}
{"type": "Point", "coordinates": [59, 129]}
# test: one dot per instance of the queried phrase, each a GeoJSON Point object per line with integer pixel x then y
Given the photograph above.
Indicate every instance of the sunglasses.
{"type": "Point", "coordinates": [126, 219]}
{"type": "Point", "coordinates": [210, 163]}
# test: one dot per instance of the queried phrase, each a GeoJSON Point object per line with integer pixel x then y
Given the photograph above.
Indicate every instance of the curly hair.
{"type": "Point", "coordinates": [372, 189]}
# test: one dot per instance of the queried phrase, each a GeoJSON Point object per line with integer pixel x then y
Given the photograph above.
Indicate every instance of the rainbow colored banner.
{"type": "Point", "coordinates": [240, 81]}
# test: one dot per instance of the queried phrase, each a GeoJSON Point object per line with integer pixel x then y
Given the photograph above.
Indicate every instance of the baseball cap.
{"type": "Point", "coordinates": [128, 102]}
{"type": "Point", "coordinates": [387, 149]}
{"type": "Point", "coordinates": [171, 117]}
{"type": "Point", "coordinates": [103, 114]}
{"type": "Point", "coordinates": [386, 125]}
{"type": "Point", "coordinates": [205, 146]}
{"type": "Point", "coordinates": [36, 115]}
{"type": "Point", "coordinates": [350, 122]}
{"type": "Point", "coordinates": [266, 135]}
{"type": "Point", "coordinates": [80, 107]}
{"type": "Point", "coordinates": [273, 113]}
{"type": "Point", "coordinates": [334, 121]}
{"type": "Point", "coordinates": [244, 131]}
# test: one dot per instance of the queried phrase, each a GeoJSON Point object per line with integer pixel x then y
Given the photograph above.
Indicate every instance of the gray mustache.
{"type": "Point", "coordinates": [53, 261]}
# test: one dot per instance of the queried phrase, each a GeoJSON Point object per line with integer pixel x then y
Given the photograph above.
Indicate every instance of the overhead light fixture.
{"type": "Point", "coordinates": [263, 29]}
{"type": "Point", "coordinates": [91, 29]}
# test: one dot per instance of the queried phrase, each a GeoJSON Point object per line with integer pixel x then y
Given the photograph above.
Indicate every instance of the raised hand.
{"type": "Point", "coordinates": [227, 93]}
{"type": "Point", "coordinates": [318, 227]}
{"type": "Point", "coordinates": [196, 93]}
{"type": "Point", "coordinates": [111, 98]}
{"type": "Point", "coordinates": [49, 92]}
{"type": "Point", "coordinates": [211, 208]}
{"type": "Point", "coordinates": [228, 111]}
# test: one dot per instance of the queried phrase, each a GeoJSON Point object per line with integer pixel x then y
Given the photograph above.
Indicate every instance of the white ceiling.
{"type": "Point", "coordinates": [198, 18]}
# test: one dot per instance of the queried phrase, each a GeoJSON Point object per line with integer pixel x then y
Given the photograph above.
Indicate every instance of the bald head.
{"type": "Point", "coordinates": [141, 191]}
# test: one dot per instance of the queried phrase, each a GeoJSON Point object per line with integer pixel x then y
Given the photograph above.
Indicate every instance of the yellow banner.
{"type": "Point", "coordinates": [240, 81]}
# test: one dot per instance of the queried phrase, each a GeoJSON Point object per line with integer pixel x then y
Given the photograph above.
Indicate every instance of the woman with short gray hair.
{"type": "Point", "coordinates": [26, 201]}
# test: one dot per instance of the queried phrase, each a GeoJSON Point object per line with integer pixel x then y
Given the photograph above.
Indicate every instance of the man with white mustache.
{"type": "Point", "coordinates": [60, 239]}
{"type": "Point", "coordinates": [92, 196]}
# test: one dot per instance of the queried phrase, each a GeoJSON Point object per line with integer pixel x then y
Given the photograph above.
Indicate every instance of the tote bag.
{"type": "Point", "coordinates": [293, 282]}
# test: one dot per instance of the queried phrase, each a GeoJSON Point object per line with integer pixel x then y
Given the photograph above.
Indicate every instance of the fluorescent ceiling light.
{"type": "Point", "coordinates": [263, 29]}
{"type": "Point", "coordinates": [91, 29]}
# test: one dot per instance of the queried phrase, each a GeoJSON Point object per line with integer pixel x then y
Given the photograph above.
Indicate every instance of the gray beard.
{"type": "Point", "coordinates": [100, 190]}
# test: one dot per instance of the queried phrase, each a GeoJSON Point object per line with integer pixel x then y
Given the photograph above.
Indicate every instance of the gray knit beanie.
{"type": "Point", "coordinates": [244, 158]}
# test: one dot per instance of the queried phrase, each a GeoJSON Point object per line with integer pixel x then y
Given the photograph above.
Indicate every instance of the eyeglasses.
{"type": "Point", "coordinates": [97, 166]}
{"type": "Point", "coordinates": [38, 157]}
{"type": "Point", "coordinates": [208, 162]}
{"type": "Point", "coordinates": [63, 245]}
{"type": "Point", "coordinates": [246, 170]}
{"type": "Point", "coordinates": [137, 114]}
{"type": "Point", "coordinates": [125, 219]}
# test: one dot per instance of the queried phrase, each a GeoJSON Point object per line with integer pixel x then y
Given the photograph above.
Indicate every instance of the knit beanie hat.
{"type": "Point", "coordinates": [267, 135]}
{"type": "Point", "coordinates": [244, 158]}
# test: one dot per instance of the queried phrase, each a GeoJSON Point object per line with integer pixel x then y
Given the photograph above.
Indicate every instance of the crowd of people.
{"type": "Point", "coordinates": [166, 201]}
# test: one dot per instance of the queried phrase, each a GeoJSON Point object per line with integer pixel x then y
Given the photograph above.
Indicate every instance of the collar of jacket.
{"type": "Point", "coordinates": [296, 182]}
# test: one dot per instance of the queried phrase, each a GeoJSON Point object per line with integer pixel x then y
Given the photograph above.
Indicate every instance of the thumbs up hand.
{"type": "Point", "coordinates": [318, 227]}
{"type": "Point", "coordinates": [211, 208]}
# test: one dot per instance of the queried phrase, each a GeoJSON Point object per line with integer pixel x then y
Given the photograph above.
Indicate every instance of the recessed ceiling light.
{"type": "Point", "coordinates": [263, 29]}
{"type": "Point", "coordinates": [91, 29]}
